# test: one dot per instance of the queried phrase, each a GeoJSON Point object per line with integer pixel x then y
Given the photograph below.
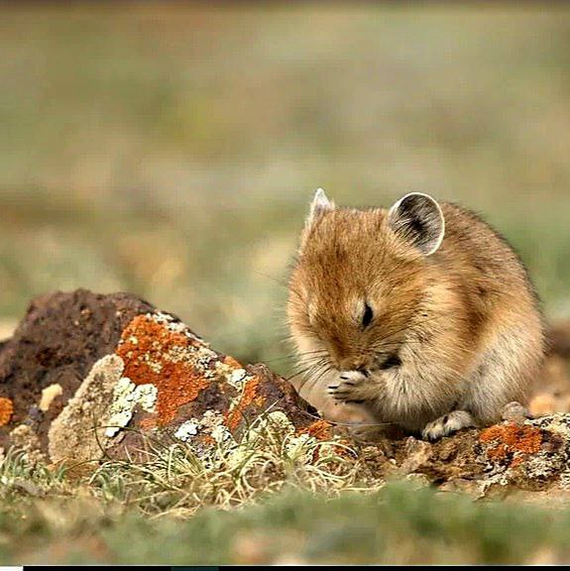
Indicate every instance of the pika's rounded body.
{"type": "Point", "coordinates": [421, 316]}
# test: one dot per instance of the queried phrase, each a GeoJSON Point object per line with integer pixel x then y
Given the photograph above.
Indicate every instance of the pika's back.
{"type": "Point", "coordinates": [483, 266]}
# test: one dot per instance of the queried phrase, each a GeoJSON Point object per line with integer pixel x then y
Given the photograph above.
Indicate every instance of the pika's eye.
{"type": "Point", "coordinates": [367, 316]}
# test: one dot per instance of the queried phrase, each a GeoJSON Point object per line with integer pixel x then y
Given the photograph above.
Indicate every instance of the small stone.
{"type": "Point", "coordinates": [418, 452]}
{"type": "Point", "coordinates": [515, 412]}
{"type": "Point", "coordinates": [48, 395]}
{"type": "Point", "coordinates": [76, 435]}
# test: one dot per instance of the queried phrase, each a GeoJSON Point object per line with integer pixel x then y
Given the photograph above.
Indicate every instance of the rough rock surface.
{"type": "Point", "coordinates": [72, 435]}
{"type": "Point", "coordinates": [533, 456]}
{"type": "Point", "coordinates": [116, 378]}
{"type": "Point", "coordinates": [60, 338]}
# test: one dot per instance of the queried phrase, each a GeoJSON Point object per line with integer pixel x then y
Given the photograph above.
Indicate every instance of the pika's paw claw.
{"type": "Point", "coordinates": [447, 424]}
{"type": "Point", "coordinates": [345, 391]}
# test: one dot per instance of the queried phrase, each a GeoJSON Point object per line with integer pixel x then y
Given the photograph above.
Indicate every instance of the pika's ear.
{"type": "Point", "coordinates": [319, 205]}
{"type": "Point", "coordinates": [418, 219]}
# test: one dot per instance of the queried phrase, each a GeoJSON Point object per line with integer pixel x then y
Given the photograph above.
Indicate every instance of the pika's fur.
{"type": "Point", "coordinates": [420, 316]}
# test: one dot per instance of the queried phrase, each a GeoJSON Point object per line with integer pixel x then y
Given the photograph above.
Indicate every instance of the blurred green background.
{"type": "Point", "coordinates": [171, 150]}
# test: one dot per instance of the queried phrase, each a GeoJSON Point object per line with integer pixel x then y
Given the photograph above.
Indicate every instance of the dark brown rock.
{"type": "Point", "coordinates": [60, 338]}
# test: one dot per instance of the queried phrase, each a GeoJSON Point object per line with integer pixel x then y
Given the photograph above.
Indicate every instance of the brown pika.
{"type": "Point", "coordinates": [420, 316]}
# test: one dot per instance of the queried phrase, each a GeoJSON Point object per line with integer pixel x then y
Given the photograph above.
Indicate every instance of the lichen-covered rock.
{"type": "Point", "coordinates": [534, 455]}
{"type": "Point", "coordinates": [196, 395]}
{"type": "Point", "coordinates": [93, 376]}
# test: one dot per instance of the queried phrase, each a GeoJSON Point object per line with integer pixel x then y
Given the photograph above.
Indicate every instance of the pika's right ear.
{"type": "Point", "coordinates": [320, 205]}
{"type": "Point", "coordinates": [418, 219]}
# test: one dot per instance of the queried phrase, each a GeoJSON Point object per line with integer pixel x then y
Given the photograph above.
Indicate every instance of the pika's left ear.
{"type": "Point", "coordinates": [319, 205]}
{"type": "Point", "coordinates": [418, 219]}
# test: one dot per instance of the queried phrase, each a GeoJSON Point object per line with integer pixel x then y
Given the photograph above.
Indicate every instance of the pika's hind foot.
{"type": "Point", "coordinates": [447, 424]}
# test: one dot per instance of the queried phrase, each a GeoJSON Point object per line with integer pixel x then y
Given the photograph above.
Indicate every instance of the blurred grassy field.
{"type": "Point", "coordinates": [171, 150]}
{"type": "Point", "coordinates": [398, 526]}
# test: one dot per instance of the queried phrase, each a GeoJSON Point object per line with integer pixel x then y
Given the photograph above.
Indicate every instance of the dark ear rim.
{"type": "Point", "coordinates": [392, 213]}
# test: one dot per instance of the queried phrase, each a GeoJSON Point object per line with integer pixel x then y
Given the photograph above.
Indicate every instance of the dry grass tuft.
{"type": "Point", "coordinates": [229, 473]}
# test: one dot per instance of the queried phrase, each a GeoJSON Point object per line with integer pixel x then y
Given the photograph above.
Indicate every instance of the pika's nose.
{"type": "Point", "coordinates": [354, 376]}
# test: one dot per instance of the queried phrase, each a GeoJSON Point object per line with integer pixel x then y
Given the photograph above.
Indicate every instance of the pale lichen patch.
{"type": "Point", "coordinates": [146, 395]}
{"type": "Point", "coordinates": [175, 326]}
{"type": "Point", "coordinates": [126, 396]}
{"type": "Point", "coordinates": [211, 424]}
{"type": "Point", "coordinates": [237, 378]}
{"type": "Point", "coordinates": [232, 373]}
{"type": "Point", "coordinates": [187, 429]}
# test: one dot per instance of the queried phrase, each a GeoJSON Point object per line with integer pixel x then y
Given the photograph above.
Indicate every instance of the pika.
{"type": "Point", "coordinates": [420, 316]}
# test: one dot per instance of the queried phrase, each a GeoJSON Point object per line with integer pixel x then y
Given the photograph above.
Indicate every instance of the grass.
{"type": "Point", "coordinates": [267, 457]}
{"type": "Point", "coordinates": [398, 524]}
{"type": "Point", "coordinates": [259, 502]}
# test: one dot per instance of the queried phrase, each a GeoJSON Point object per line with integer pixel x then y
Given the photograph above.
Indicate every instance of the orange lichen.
{"type": "Point", "coordinates": [6, 410]}
{"type": "Point", "coordinates": [154, 354]}
{"type": "Point", "coordinates": [147, 423]}
{"type": "Point", "coordinates": [320, 429]}
{"type": "Point", "coordinates": [511, 440]}
{"type": "Point", "coordinates": [231, 362]}
{"type": "Point", "coordinates": [249, 396]}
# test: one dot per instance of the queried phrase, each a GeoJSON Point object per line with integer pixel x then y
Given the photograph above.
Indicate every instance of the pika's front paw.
{"type": "Point", "coordinates": [350, 388]}
{"type": "Point", "coordinates": [447, 424]}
